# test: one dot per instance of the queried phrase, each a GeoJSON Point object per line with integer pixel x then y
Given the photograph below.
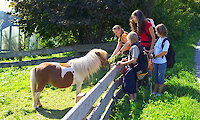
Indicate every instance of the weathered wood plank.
{"type": "Point", "coordinates": [98, 110]}
{"type": "Point", "coordinates": [77, 48]}
{"type": "Point", "coordinates": [83, 106]}
{"type": "Point", "coordinates": [33, 62]}
{"type": "Point", "coordinates": [107, 112]}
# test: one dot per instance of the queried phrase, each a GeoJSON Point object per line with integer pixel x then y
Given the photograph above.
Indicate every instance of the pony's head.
{"type": "Point", "coordinates": [102, 55]}
{"type": "Point", "coordinates": [90, 63]}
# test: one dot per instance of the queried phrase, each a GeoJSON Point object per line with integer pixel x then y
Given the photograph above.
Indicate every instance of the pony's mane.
{"type": "Point", "coordinates": [88, 64]}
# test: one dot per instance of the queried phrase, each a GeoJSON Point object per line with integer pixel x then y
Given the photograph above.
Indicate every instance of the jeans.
{"type": "Point", "coordinates": [159, 73]}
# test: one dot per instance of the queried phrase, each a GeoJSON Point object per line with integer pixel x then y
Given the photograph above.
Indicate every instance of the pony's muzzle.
{"type": "Point", "coordinates": [106, 63]}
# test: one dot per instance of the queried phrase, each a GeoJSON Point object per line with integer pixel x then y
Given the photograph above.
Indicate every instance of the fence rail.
{"type": "Point", "coordinates": [80, 110]}
{"type": "Point", "coordinates": [34, 62]}
{"type": "Point", "coordinates": [76, 48]}
{"type": "Point", "coordinates": [106, 86]}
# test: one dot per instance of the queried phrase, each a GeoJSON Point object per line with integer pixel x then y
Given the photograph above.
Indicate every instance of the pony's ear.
{"type": "Point", "coordinates": [97, 53]}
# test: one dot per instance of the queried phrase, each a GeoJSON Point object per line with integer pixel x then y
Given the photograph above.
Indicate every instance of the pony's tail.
{"type": "Point", "coordinates": [33, 82]}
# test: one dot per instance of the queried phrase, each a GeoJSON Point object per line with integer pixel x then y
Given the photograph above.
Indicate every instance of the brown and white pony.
{"type": "Point", "coordinates": [62, 75]}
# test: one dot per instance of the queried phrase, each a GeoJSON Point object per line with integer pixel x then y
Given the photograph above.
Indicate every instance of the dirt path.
{"type": "Point", "coordinates": [197, 61]}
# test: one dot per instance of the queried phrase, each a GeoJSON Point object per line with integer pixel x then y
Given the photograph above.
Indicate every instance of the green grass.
{"type": "Point", "coordinates": [181, 96]}
{"type": "Point", "coordinates": [179, 101]}
{"type": "Point", "coordinates": [28, 58]}
{"type": "Point", "coordinates": [16, 99]}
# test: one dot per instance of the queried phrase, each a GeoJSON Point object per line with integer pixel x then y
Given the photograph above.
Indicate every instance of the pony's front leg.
{"type": "Point", "coordinates": [78, 90]}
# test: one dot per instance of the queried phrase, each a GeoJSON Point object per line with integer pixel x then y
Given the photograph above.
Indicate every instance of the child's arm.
{"type": "Point", "coordinates": [125, 47]}
{"type": "Point", "coordinates": [151, 30]}
{"type": "Point", "coordinates": [119, 44]}
{"type": "Point", "coordinates": [161, 54]}
{"type": "Point", "coordinates": [133, 60]}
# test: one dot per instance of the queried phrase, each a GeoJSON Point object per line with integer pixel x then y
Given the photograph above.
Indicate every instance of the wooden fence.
{"type": "Point", "coordinates": [102, 110]}
{"type": "Point", "coordinates": [106, 86]}
{"type": "Point", "coordinates": [76, 48]}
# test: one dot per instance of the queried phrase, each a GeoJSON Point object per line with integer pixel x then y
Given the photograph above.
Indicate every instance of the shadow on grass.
{"type": "Point", "coordinates": [53, 114]}
{"type": "Point", "coordinates": [180, 91]}
{"type": "Point", "coordinates": [126, 110]}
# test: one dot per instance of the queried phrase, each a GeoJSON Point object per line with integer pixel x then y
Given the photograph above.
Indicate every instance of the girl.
{"type": "Point", "coordinates": [145, 31]}
{"type": "Point", "coordinates": [130, 77]}
{"type": "Point", "coordinates": [159, 59]}
{"type": "Point", "coordinates": [143, 28]}
{"type": "Point", "coordinates": [122, 35]}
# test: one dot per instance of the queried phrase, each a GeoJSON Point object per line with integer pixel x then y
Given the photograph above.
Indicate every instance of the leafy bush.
{"type": "Point", "coordinates": [70, 21]}
{"type": "Point", "coordinates": [89, 21]}
{"type": "Point", "coordinates": [181, 17]}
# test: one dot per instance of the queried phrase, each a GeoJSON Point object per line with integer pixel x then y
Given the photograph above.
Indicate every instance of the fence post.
{"type": "Point", "coordinates": [19, 46]}
{"type": "Point", "coordinates": [1, 38]}
{"type": "Point", "coordinates": [28, 43]}
{"type": "Point", "coordinates": [36, 43]}
{"type": "Point", "coordinates": [10, 37]}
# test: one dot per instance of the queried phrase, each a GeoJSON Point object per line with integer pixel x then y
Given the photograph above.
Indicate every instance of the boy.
{"type": "Point", "coordinates": [130, 77]}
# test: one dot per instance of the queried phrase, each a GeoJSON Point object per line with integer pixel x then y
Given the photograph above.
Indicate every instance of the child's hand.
{"type": "Point", "coordinates": [124, 59]}
{"type": "Point", "coordinates": [110, 58]}
{"type": "Point", "coordinates": [120, 63]}
{"type": "Point", "coordinates": [118, 53]}
{"type": "Point", "coordinates": [151, 56]}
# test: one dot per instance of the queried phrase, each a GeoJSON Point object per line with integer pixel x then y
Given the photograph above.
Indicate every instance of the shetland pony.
{"type": "Point", "coordinates": [62, 75]}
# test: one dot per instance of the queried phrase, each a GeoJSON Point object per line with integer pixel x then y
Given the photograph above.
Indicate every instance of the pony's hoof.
{"type": "Point", "coordinates": [40, 106]}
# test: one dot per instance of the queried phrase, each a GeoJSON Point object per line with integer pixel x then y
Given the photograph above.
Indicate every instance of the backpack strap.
{"type": "Point", "coordinates": [163, 42]}
{"type": "Point", "coordinates": [139, 47]}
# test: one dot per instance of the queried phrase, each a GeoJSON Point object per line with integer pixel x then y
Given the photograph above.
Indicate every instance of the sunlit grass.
{"type": "Point", "coordinates": [182, 91]}
{"type": "Point", "coordinates": [16, 99]}
{"type": "Point", "coordinates": [37, 57]}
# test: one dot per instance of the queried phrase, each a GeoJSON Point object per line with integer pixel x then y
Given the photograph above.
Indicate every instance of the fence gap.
{"type": "Point", "coordinates": [10, 38]}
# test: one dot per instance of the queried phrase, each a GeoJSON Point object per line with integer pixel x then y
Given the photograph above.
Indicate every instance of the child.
{"type": "Point", "coordinates": [130, 77]}
{"type": "Point", "coordinates": [122, 35]}
{"type": "Point", "coordinates": [159, 59]}
{"type": "Point", "coordinates": [143, 28]}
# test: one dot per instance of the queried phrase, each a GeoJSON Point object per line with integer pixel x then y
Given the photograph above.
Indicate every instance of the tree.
{"type": "Point", "coordinates": [87, 20]}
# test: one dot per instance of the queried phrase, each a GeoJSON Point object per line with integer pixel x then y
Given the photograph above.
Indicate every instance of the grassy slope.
{"type": "Point", "coordinates": [16, 101]}
{"type": "Point", "coordinates": [180, 99]}
{"type": "Point", "coordinates": [182, 91]}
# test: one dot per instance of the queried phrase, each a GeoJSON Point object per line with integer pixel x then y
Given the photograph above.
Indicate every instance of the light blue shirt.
{"type": "Point", "coordinates": [158, 49]}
